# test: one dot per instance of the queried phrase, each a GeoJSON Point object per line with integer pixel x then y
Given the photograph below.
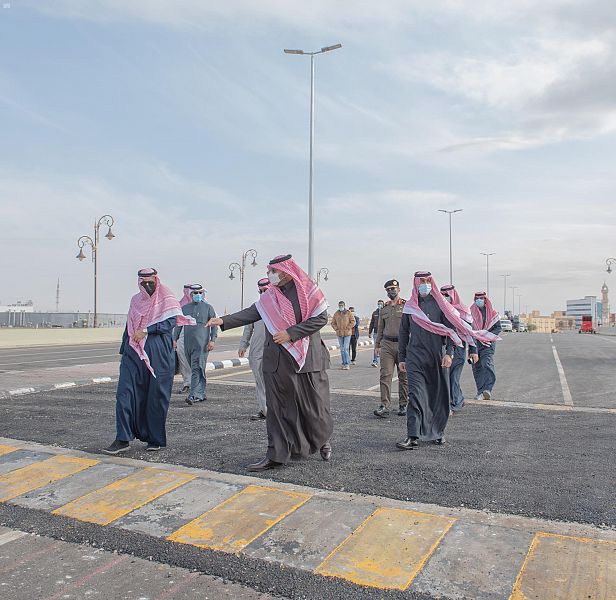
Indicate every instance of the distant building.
{"type": "Point", "coordinates": [587, 306]}
{"type": "Point", "coordinates": [19, 306]}
{"type": "Point", "coordinates": [538, 323]}
{"type": "Point", "coordinates": [605, 305]}
{"type": "Point", "coordinates": [563, 322]}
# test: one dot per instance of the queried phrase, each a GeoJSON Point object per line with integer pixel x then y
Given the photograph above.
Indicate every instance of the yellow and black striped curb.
{"type": "Point", "coordinates": [370, 541]}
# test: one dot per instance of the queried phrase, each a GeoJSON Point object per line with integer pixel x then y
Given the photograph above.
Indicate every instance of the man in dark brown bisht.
{"type": "Point", "coordinates": [295, 363]}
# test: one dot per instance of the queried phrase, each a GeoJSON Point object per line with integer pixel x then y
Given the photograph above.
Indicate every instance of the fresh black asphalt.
{"type": "Point", "coordinates": [548, 464]}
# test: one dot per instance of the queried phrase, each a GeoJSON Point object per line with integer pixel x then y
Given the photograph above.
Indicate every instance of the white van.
{"type": "Point", "coordinates": [506, 325]}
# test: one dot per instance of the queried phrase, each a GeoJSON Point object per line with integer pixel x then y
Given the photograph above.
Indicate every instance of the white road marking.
{"type": "Point", "coordinates": [378, 385]}
{"type": "Point", "coordinates": [223, 376]}
{"type": "Point", "coordinates": [11, 536]}
{"type": "Point", "coordinates": [53, 360]}
{"type": "Point", "coordinates": [563, 380]}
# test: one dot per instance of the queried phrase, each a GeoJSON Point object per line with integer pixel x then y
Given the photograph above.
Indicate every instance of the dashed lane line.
{"type": "Point", "coordinates": [568, 400]}
{"type": "Point", "coordinates": [499, 403]}
{"type": "Point", "coordinates": [55, 360]}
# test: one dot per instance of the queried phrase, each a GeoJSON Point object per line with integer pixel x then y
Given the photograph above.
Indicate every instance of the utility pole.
{"type": "Point", "coordinates": [505, 292]}
{"type": "Point", "coordinates": [487, 255]}
{"type": "Point", "coordinates": [450, 212]}
{"type": "Point", "coordinates": [311, 151]}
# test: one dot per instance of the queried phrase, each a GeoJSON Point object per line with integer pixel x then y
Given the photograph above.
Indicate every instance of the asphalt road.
{"type": "Point", "coordinates": [551, 464]}
{"type": "Point", "coordinates": [45, 357]}
{"type": "Point", "coordinates": [554, 464]}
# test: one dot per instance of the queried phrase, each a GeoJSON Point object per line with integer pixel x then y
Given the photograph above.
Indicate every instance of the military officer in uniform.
{"type": "Point", "coordinates": [386, 346]}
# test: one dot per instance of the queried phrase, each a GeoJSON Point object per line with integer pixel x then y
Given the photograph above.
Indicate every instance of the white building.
{"type": "Point", "coordinates": [587, 306]}
{"type": "Point", "coordinates": [19, 307]}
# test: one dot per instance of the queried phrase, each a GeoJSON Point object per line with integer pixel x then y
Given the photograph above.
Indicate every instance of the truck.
{"type": "Point", "coordinates": [588, 325]}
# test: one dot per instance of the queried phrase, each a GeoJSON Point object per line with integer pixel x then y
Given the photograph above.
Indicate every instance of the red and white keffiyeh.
{"type": "Point", "coordinates": [456, 302]}
{"type": "Point", "coordinates": [277, 312]}
{"type": "Point", "coordinates": [146, 310]}
{"type": "Point", "coordinates": [186, 299]}
{"type": "Point", "coordinates": [492, 316]}
{"type": "Point", "coordinates": [419, 316]}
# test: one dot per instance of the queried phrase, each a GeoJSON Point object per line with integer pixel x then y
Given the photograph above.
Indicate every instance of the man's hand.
{"type": "Point", "coordinates": [281, 337]}
{"type": "Point", "coordinates": [175, 345]}
{"type": "Point", "coordinates": [215, 322]}
{"type": "Point", "coordinates": [377, 352]}
{"type": "Point", "coordinates": [241, 353]}
{"type": "Point", "coordinates": [138, 336]}
{"type": "Point", "coordinates": [474, 358]}
{"type": "Point", "coordinates": [210, 346]}
{"type": "Point", "coordinates": [402, 367]}
{"type": "Point", "coordinates": [447, 360]}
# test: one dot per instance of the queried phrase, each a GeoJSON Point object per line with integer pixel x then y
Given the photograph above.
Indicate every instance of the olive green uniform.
{"type": "Point", "coordinates": [387, 341]}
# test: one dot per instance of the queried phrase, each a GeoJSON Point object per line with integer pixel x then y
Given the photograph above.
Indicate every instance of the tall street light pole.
{"type": "Point", "coordinates": [242, 269]}
{"type": "Point", "coordinates": [609, 262]}
{"type": "Point", "coordinates": [325, 272]}
{"type": "Point", "coordinates": [519, 297]}
{"type": "Point", "coordinates": [505, 292]}
{"type": "Point", "coordinates": [487, 255]}
{"type": "Point", "coordinates": [450, 212]}
{"type": "Point", "coordinates": [513, 289]}
{"type": "Point", "coordinates": [86, 240]}
{"type": "Point", "coordinates": [311, 171]}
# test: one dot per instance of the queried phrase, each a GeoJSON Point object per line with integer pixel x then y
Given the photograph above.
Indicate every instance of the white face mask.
{"type": "Point", "coordinates": [274, 278]}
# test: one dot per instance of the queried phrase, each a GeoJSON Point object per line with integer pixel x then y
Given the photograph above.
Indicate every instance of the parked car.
{"type": "Point", "coordinates": [506, 325]}
{"type": "Point", "coordinates": [522, 327]}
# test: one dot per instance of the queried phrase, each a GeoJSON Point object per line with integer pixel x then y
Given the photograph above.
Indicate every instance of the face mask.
{"type": "Point", "coordinates": [480, 302]}
{"type": "Point", "coordinates": [197, 297]}
{"type": "Point", "coordinates": [273, 277]}
{"type": "Point", "coordinates": [425, 288]}
{"type": "Point", "coordinates": [392, 293]}
{"type": "Point", "coordinates": [149, 287]}
{"type": "Point", "coordinates": [381, 306]}
{"type": "Point", "coordinates": [341, 308]}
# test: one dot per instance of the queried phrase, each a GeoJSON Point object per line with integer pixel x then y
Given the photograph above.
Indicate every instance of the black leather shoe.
{"type": "Point", "coordinates": [439, 442]}
{"type": "Point", "coordinates": [326, 451]}
{"type": "Point", "coordinates": [263, 465]}
{"type": "Point", "coordinates": [402, 411]}
{"type": "Point", "coordinates": [381, 412]}
{"type": "Point", "coordinates": [258, 417]}
{"type": "Point", "coordinates": [408, 444]}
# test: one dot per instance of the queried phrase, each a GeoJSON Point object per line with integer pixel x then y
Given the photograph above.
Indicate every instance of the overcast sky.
{"type": "Point", "coordinates": [185, 121]}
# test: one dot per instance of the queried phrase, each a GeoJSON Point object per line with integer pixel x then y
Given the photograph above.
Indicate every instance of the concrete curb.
{"type": "Point", "coordinates": [22, 391]}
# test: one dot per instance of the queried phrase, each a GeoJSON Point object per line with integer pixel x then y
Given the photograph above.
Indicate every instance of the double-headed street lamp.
{"type": "Point", "coordinates": [85, 240]}
{"type": "Point", "coordinates": [487, 255]}
{"type": "Point", "coordinates": [310, 186]}
{"type": "Point", "coordinates": [450, 212]}
{"type": "Point", "coordinates": [242, 268]}
{"type": "Point", "coordinates": [609, 262]}
{"type": "Point", "coordinates": [325, 272]}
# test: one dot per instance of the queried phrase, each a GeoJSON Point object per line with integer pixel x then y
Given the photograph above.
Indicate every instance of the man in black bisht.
{"type": "Point", "coordinates": [427, 339]}
{"type": "Point", "coordinates": [295, 363]}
